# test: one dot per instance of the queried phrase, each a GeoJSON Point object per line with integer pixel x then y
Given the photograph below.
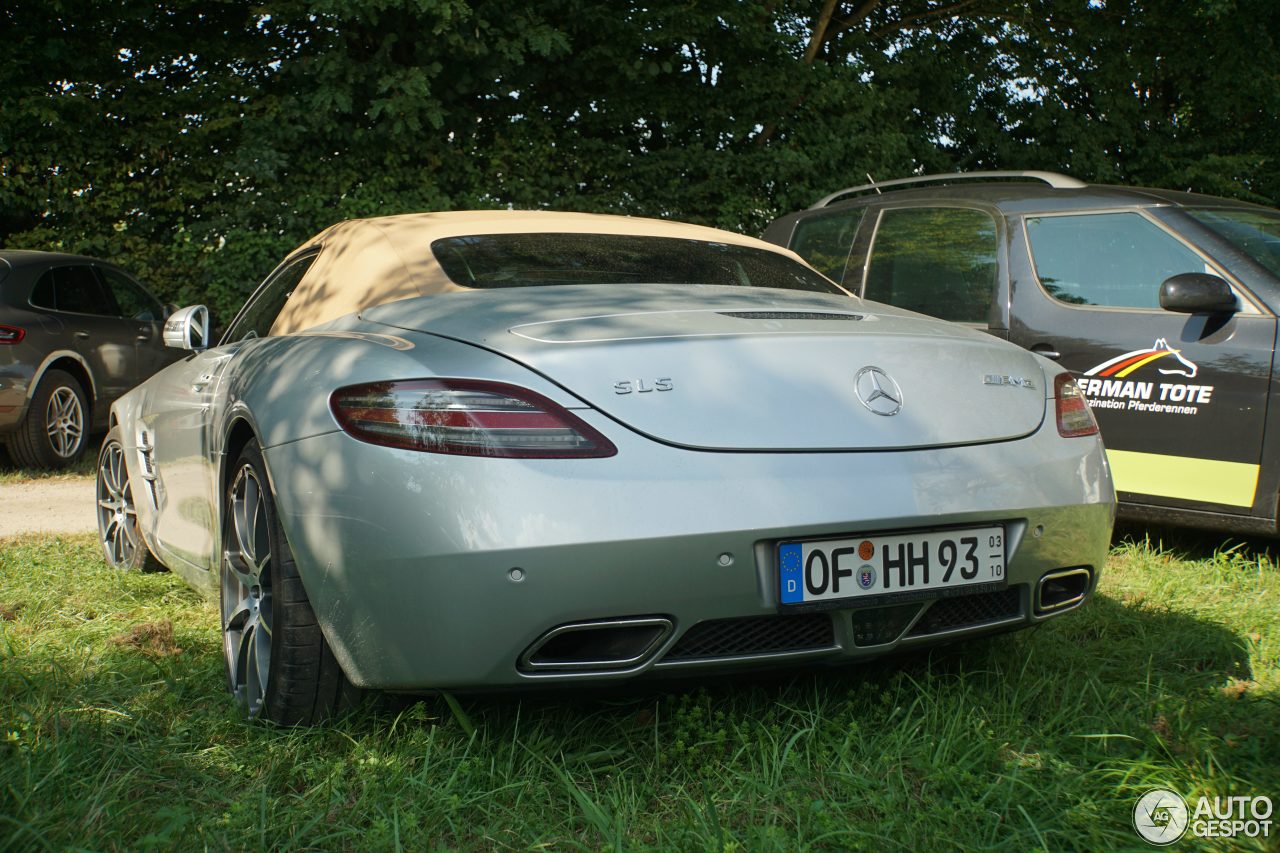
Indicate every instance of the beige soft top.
{"type": "Point", "coordinates": [367, 262]}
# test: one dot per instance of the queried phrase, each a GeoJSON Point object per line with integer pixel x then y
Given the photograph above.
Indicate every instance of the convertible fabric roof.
{"type": "Point", "coordinates": [368, 262]}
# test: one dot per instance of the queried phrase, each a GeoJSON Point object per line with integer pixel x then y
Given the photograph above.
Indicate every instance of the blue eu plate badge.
{"type": "Point", "coordinates": [791, 559]}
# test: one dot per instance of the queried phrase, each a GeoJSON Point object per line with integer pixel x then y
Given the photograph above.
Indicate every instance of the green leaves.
{"type": "Point", "coordinates": [198, 142]}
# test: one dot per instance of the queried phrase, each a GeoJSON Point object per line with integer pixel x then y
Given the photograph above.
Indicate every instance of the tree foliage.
{"type": "Point", "coordinates": [197, 141]}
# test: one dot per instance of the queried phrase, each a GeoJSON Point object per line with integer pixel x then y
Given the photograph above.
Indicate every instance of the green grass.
{"type": "Point", "coordinates": [112, 739]}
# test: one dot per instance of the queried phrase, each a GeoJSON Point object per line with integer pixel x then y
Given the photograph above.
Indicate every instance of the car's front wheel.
{"type": "Point", "coordinates": [122, 544]}
{"type": "Point", "coordinates": [54, 432]}
{"type": "Point", "coordinates": [279, 666]}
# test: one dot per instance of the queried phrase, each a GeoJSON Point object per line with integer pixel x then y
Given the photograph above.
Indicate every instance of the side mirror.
{"type": "Point", "coordinates": [169, 308]}
{"type": "Point", "coordinates": [1197, 293]}
{"type": "Point", "coordinates": [188, 328]}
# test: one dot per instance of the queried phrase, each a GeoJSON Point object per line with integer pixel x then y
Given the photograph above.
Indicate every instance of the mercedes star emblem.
{"type": "Point", "coordinates": [877, 391]}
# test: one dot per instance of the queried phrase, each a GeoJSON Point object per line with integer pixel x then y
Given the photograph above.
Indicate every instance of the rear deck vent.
{"type": "Point", "coordinates": [758, 635]}
{"type": "Point", "coordinates": [969, 611]}
{"type": "Point", "coordinates": [790, 315]}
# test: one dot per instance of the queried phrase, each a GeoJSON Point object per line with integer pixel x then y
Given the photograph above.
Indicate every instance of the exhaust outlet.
{"type": "Point", "coordinates": [1062, 589]}
{"type": "Point", "coordinates": [606, 644]}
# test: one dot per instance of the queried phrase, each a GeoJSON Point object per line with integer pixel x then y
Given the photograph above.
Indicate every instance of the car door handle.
{"type": "Point", "coordinates": [1047, 351]}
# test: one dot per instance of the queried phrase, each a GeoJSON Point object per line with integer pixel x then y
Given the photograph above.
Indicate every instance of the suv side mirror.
{"type": "Point", "coordinates": [1197, 293]}
{"type": "Point", "coordinates": [188, 328]}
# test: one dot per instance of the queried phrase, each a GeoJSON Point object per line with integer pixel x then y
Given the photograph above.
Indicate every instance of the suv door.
{"type": "Point", "coordinates": [146, 316]}
{"type": "Point", "coordinates": [98, 333]}
{"type": "Point", "coordinates": [1180, 398]}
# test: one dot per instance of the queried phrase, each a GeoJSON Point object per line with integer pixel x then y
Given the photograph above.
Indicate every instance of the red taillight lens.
{"type": "Point", "coordinates": [467, 417]}
{"type": "Point", "coordinates": [1074, 415]}
{"type": "Point", "coordinates": [11, 334]}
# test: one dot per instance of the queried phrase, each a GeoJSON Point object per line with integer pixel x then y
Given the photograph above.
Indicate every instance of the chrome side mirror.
{"type": "Point", "coordinates": [188, 328]}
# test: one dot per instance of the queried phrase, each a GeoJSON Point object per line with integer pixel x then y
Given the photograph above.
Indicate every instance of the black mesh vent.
{"type": "Point", "coordinates": [964, 611]}
{"type": "Point", "coordinates": [881, 625]}
{"type": "Point", "coordinates": [789, 315]}
{"type": "Point", "coordinates": [719, 638]}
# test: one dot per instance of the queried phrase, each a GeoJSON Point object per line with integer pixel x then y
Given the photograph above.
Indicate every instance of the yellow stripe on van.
{"type": "Point", "coordinates": [1184, 478]}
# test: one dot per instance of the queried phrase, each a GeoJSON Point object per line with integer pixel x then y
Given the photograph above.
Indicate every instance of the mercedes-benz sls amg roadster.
{"type": "Point", "coordinates": [483, 450]}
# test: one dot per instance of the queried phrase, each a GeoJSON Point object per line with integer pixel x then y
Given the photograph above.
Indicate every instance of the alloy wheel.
{"type": "Point", "coordinates": [117, 517]}
{"type": "Point", "coordinates": [247, 593]}
{"type": "Point", "coordinates": [64, 422]}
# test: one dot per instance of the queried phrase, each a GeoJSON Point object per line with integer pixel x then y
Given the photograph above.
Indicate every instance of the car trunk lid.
{"type": "Point", "coordinates": [747, 370]}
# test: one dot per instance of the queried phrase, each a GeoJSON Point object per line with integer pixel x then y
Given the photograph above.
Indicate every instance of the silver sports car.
{"type": "Point", "coordinates": [505, 449]}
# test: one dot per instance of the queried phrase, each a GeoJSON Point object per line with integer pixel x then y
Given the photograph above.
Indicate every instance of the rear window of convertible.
{"type": "Point", "coordinates": [532, 260]}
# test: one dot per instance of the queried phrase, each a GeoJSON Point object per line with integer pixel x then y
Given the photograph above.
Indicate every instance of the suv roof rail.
{"type": "Point", "coordinates": [1054, 179]}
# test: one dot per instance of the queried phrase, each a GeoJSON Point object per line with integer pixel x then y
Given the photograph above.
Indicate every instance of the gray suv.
{"type": "Point", "coordinates": [75, 334]}
{"type": "Point", "coordinates": [1165, 305]}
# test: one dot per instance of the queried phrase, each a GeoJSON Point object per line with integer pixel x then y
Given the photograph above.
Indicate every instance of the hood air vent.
{"type": "Point", "coordinates": [788, 315]}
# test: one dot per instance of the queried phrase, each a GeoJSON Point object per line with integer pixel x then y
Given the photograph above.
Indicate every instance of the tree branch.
{"type": "Point", "coordinates": [909, 21]}
{"type": "Point", "coordinates": [819, 31]}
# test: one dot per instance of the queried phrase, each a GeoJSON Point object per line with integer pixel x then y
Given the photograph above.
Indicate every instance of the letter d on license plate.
{"type": "Point", "coordinates": [866, 567]}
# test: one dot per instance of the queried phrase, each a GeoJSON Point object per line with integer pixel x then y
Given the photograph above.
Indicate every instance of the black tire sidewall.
{"type": "Point", "coordinates": [37, 442]}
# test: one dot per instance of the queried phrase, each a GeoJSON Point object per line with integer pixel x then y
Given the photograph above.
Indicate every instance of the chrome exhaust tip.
{"type": "Point", "coordinates": [599, 645]}
{"type": "Point", "coordinates": [1062, 589]}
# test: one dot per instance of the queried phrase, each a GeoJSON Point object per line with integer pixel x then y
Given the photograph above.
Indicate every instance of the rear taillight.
{"type": "Point", "coordinates": [468, 417]}
{"type": "Point", "coordinates": [1074, 415]}
{"type": "Point", "coordinates": [11, 334]}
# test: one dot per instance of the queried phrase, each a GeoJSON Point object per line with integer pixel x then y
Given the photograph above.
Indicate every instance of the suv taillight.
{"type": "Point", "coordinates": [1074, 415]}
{"type": "Point", "coordinates": [11, 334]}
{"type": "Point", "coordinates": [467, 417]}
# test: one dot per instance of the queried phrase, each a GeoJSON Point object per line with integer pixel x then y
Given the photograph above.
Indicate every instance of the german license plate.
{"type": "Point", "coordinates": [866, 567]}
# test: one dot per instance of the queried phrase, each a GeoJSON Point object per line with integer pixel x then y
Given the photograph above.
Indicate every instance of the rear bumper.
{"type": "Point", "coordinates": [408, 557]}
{"type": "Point", "coordinates": [15, 384]}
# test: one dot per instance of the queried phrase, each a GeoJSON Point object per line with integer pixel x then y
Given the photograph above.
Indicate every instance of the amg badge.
{"type": "Point", "coordinates": [1015, 381]}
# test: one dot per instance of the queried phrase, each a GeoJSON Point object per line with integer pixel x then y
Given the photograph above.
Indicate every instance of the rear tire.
{"type": "Point", "coordinates": [54, 432]}
{"type": "Point", "coordinates": [122, 544]}
{"type": "Point", "coordinates": [279, 665]}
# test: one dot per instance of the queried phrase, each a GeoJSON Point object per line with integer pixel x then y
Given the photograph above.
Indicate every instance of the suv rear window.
{"type": "Point", "coordinates": [939, 261]}
{"type": "Point", "coordinates": [75, 289]}
{"type": "Point", "coordinates": [545, 259]}
{"type": "Point", "coordinates": [825, 239]}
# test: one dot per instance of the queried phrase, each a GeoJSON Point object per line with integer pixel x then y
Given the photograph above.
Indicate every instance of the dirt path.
{"type": "Point", "coordinates": [53, 506]}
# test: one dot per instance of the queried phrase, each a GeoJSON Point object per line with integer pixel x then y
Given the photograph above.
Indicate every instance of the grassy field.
{"type": "Point", "coordinates": [115, 733]}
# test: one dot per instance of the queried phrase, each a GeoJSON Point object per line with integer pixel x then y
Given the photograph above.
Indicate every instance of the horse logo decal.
{"type": "Point", "coordinates": [1122, 365]}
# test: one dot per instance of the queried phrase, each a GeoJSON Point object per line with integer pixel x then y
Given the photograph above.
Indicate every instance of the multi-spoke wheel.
{"type": "Point", "coordinates": [279, 666]}
{"type": "Point", "coordinates": [52, 435]}
{"type": "Point", "coordinates": [122, 546]}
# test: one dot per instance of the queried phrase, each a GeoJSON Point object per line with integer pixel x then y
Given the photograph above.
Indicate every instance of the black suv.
{"type": "Point", "coordinates": [1163, 304]}
{"type": "Point", "coordinates": [75, 334]}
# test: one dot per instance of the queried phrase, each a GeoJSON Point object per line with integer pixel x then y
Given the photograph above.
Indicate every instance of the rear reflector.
{"type": "Point", "coordinates": [467, 417]}
{"type": "Point", "coordinates": [1074, 415]}
{"type": "Point", "coordinates": [11, 334]}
